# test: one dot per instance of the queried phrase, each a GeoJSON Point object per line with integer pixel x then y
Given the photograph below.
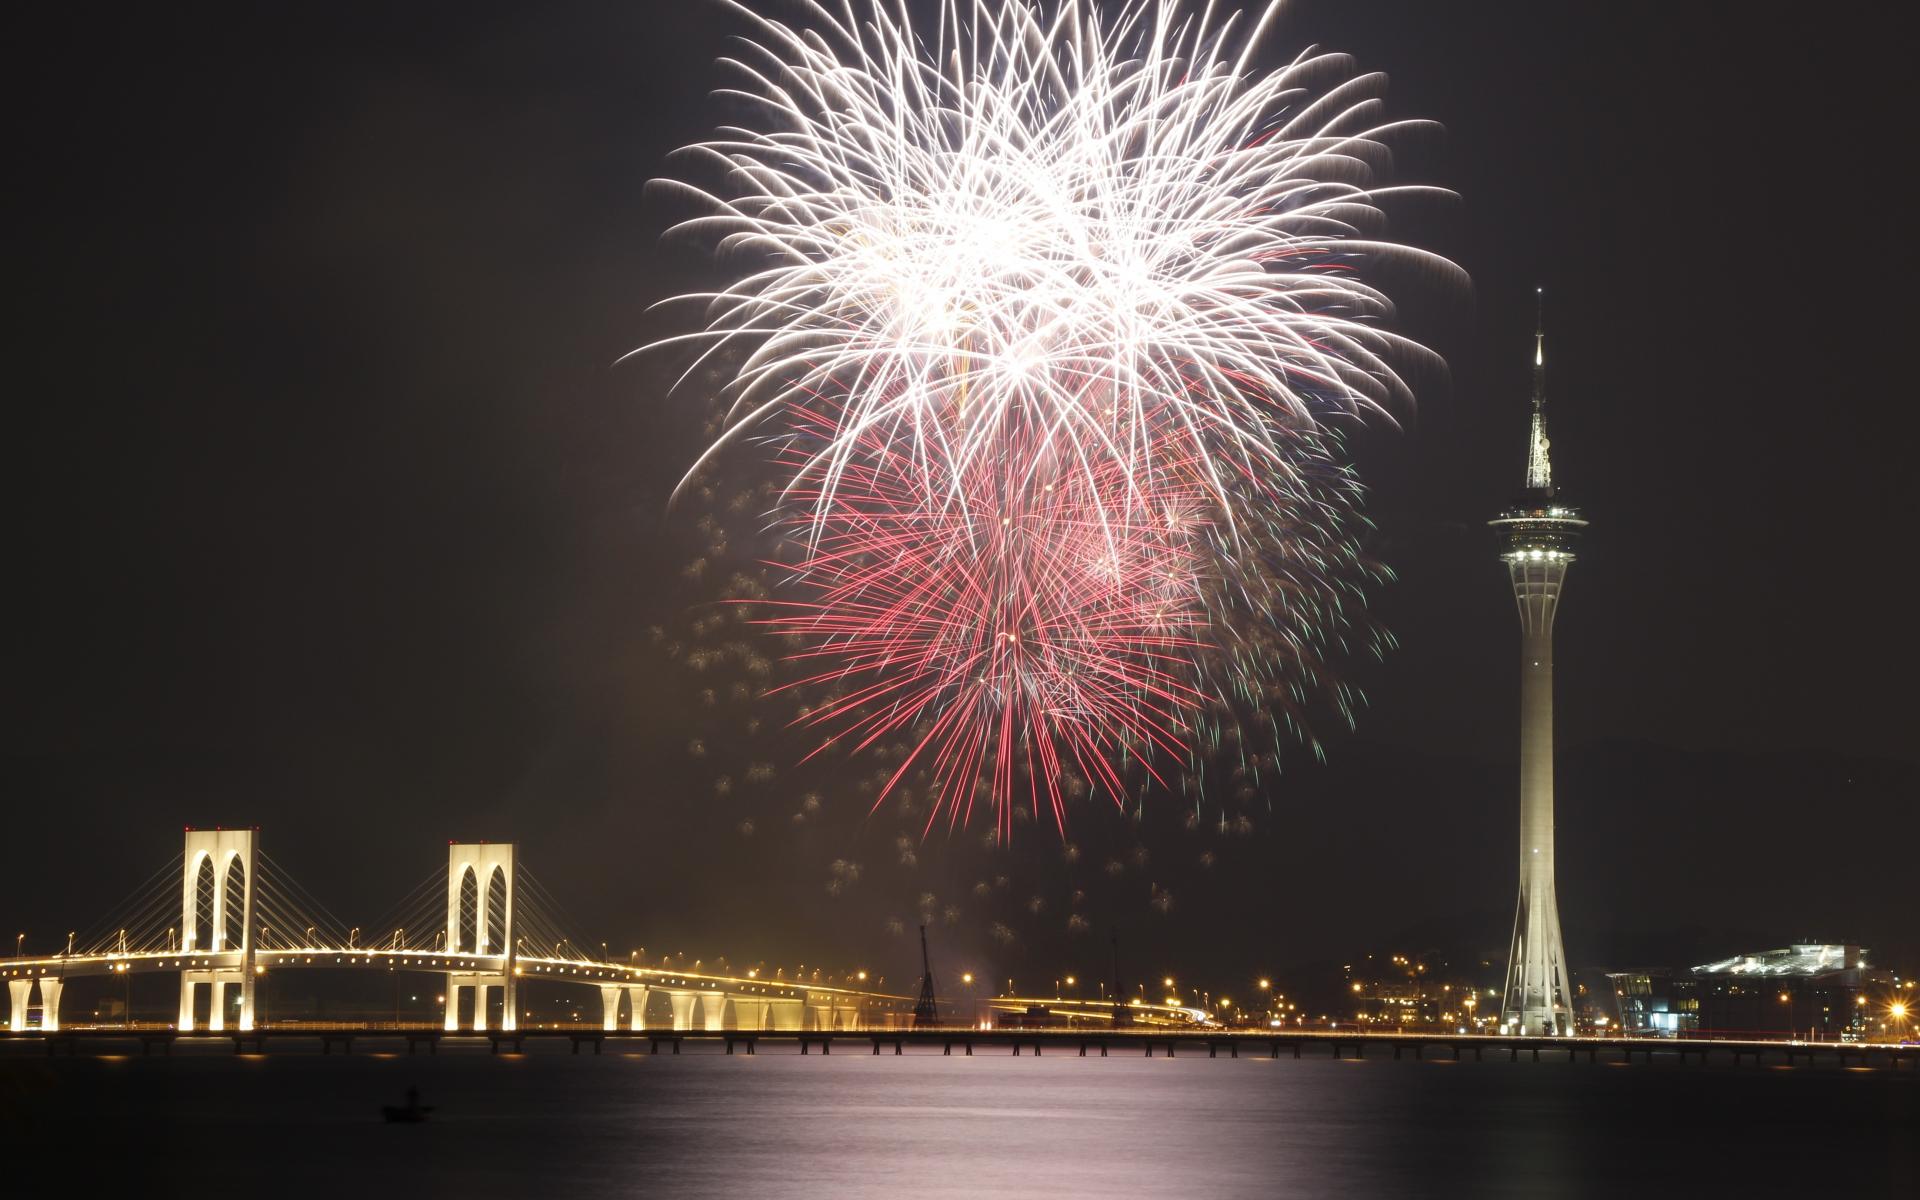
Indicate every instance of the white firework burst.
{"type": "Point", "coordinates": [1120, 227]}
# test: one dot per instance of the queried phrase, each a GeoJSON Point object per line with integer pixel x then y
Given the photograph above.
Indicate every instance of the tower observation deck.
{"type": "Point", "coordinates": [1538, 533]}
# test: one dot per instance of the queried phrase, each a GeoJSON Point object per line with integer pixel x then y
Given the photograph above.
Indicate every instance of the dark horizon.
{"type": "Point", "coordinates": [337, 517]}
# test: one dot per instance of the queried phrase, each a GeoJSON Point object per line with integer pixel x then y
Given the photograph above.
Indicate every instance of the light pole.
{"type": "Point", "coordinates": [19, 944]}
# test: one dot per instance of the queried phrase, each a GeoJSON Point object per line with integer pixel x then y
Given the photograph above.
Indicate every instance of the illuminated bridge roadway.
{"type": "Point", "coordinates": [224, 914]}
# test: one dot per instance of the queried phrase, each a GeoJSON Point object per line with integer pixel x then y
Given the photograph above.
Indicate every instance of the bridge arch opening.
{"type": "Point", "coordinates": [467, 926]}
{"type": "Point", "coordinates": [200, 937]}
{"type": "Point", "coordinates": [235, 927]}
{"type": "Point", "coordinates": [496, 940]}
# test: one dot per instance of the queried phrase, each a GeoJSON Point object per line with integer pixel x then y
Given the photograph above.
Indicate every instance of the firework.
{"type": "Point", "coordinates": [1046, 624]}
{"type": "Point", "coordinates": [1042, 316]}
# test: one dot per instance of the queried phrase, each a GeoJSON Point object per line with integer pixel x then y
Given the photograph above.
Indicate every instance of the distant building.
{"type": "Point", "coordinates": [1816, 991]}
{"type": "Point", "coordinates": [1419, 991]}
{"type": "Point", "coordinates": [1820, 992]}
{"type": "Point", "coordinates": [1648, 1004]}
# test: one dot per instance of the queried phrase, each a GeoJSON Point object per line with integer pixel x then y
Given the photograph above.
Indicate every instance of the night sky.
{"type": "Point", "coordinates": [331, 513]}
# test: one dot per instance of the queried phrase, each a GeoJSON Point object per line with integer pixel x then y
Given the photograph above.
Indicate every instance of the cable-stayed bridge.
{"type": "Point", "coordinates": [223, 915]}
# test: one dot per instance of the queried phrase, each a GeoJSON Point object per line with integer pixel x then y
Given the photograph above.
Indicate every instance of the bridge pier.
{"type": "Point", "coordinates": [50, 1002]}
{"type": "Point", "coordinates": [19, 992]}
{"type": "Point", "coordinates": [713, 1011]}
{"type": "Point", "coordinates": [682, 1004]}
{"type": "Point", "coordinates": [749, 1012]}
{"type": "Point", "coordinates": [819, 1013]}
{"type": "Point", "coordinates": [482, 987]}
{"type": "Point", "coordinates": [610, 994]}
{"type": "Point", "coordinates": [217, 980]}
{"type": "Point", "coordinates": [787, 1015]}
{"type": "Point", "coordinates": [452, 1022]}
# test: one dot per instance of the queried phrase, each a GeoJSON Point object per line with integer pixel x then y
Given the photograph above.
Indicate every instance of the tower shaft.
{"type": "Point", "coordinates": [1537, 997]}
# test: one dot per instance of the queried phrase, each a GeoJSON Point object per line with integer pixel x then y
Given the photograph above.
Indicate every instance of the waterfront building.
{"type": "Point", "coordinates": [1815, 991]}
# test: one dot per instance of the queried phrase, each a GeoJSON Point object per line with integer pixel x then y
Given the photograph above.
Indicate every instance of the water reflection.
{"type": "Point", "coordinates": [703, 1125]}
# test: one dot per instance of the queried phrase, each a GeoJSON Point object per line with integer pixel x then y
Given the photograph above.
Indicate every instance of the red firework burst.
{"type": "Point", "coordinates": [1037, 615]}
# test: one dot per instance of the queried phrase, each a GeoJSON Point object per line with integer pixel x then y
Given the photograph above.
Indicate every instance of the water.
{"type": "Point", "coordinates": [852, 1126]}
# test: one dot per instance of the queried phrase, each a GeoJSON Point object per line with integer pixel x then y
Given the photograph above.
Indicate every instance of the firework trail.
{"type": "Point", "coordinates": [1043, 315]}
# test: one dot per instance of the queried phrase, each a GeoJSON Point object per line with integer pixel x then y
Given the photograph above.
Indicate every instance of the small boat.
{"type": "Point", "coordinates": [411, 1113]}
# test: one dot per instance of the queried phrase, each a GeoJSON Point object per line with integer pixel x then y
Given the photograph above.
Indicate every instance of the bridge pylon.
{"type": "Point", "coordinates": [481, 930]}
{"type": "Point", "coordinates": [218, 870]}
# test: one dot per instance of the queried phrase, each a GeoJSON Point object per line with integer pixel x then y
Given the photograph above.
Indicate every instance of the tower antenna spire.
{"type": "Point", "coordinates": [1539, 467]}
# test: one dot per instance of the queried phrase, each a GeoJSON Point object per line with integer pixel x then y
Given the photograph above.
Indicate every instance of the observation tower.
{"type": "Point", "coordinates": [1537, 536]}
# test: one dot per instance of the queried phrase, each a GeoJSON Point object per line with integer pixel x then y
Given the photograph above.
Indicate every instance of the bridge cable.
{"type": "Point", "coordinates": [421, 912]}
{"type": "Point", "coordinates": [137, 911]}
